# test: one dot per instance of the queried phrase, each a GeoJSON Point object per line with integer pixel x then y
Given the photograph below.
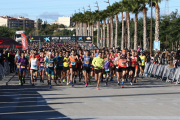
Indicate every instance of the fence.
{"type": "Point", "coordinates": [163, 72]}
{"type": "Point", "coordinates": [4, 70]}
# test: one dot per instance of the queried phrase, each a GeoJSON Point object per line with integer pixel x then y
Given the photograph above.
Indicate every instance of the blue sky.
{"type": "Point", "coordinates": [50, 10]}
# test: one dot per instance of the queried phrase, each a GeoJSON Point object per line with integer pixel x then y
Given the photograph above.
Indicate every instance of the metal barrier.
{"type": "Point", "coordinates": [163, 72]}
{"type": "Point", "coordinates": [4, 70]}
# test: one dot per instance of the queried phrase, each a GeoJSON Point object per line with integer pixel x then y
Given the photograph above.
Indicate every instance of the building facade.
{"type": "Point", "coordinates": [63, 20]}
{"type": "Point", "coordinates": [12, 22]}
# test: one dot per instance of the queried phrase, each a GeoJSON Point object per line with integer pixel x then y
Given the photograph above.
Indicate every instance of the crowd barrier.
{"type": "Point", "coordinates": [4, 70]}
{"type": "Point", "coordinates": [162, 72]}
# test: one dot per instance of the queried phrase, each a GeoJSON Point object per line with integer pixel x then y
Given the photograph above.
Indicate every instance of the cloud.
{"type": "Point", "coordinates": [19, 14]}
{"type": "Point", "coordinates": [51, 16]}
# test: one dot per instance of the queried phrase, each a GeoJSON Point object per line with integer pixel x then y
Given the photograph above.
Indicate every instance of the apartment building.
{"type": "Point", "coordinates": [12, 22]}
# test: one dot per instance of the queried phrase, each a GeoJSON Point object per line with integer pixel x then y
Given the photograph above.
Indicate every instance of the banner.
{"type": "Point", "coordinates": [156, 45]}
{"type": "Point", "coordinates": [80, 38]}
{"type": "Point", "coordinates": [24, 41]}
{"type": "Point", "coordinates": [88, 39]}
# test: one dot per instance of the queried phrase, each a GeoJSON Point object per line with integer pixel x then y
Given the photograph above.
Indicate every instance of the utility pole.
{"type": "Point", "coordinates": [151, 31]}
{"type": "Point", "coordinates": [98, 31]}
{"type": "Point", "coordinates": [110, 27]}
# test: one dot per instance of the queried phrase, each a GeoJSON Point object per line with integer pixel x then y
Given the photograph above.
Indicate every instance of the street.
{"type": "Point", "coordinates": [148, 99]}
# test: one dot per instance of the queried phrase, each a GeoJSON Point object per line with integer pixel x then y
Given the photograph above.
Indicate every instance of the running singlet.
{"type": "Point", "coordinates": [107, 66]}
{"type": "Point", "coordinates": [34, 64]}
{"type": "Point", "coordinates": [73, 61]}
{"type": "Point", "coordinates": [122, 62]}
{"type": "Point", "coordinates": [142, 60]}
{"type": "Point", "coordinates": [87, 61]}
{"type": "Point", "coordinates": [66, 64]}
{"type": "Point", "coordinates": [41, 59]}
{"type": "Point", "coordinates": [51, 63]}
{"type": "Point", "coordinates": [18, 66]}
{"type": "Point", "coordinates": [23, 62]}
{"type": "Point", "coordinates": [98, 62]}
{"type": "Point", "coordinates": [133, 62]}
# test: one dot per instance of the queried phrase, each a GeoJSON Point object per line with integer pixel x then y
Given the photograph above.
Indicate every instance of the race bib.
{"type": "Point", "coordinates": [50, 65]}
{"type": "Point", "coordinates": [73, 63]}
{"type": "Point", "coordinates": [22, 67]}
{"type": "Point", "coordinates": [86, 62]}
{"type": "Point", "coordinates": [107, 70]}
{"type": "Point", "coordinates": [18, 66]}
{"type": "Point", "coordinates": [132, 65]}
{"type": "Point", "coordinates": [34, 67]}
{"type": "Point", "coordinates": [142, 60]}
{"type": "Point", "coordinates": [123, 63]}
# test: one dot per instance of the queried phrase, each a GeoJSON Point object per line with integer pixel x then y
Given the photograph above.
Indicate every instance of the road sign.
{"type": "Point", "coordinates": [156, 45]}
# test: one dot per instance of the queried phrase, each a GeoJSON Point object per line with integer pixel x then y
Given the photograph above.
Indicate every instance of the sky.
{"type": "Point", "coordinates": [50, 10]}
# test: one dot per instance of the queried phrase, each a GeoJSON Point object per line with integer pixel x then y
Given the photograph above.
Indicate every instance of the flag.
{"type": "Point", "coordinates": [24, 41]}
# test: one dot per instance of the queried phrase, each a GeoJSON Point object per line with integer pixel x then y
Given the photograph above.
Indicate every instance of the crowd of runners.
{"type": "Point", "coordinates": [70, 63]}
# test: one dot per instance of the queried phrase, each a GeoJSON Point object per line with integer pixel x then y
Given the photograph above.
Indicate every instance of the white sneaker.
{"type": "Point", "coordinates": [131, 83]}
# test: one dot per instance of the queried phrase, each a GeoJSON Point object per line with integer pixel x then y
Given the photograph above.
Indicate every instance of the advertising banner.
{"type": "Point", "coordinates": [55, 39]}
{"type": "Point", "coordinates": [88, 39]}
{"type": "Point", "coordinates": [80, 38]}
{"type": "Point", "coordinates": [24, 41]}
{"type": "Point", "coordinates": [32, 39]}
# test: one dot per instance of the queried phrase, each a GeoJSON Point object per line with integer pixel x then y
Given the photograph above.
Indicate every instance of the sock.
{"type": "Point", "coordinates": [122, 82]}
{"type": "Point", "coordinates": [118, 81]}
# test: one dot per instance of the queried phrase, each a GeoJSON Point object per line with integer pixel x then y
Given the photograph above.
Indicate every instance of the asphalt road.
{"type": "Point", "coordinates": [149, 99]}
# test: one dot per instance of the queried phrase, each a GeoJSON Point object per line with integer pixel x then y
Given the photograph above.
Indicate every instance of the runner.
{"type": "Point", "coordinates": [79, 66]}
{"type": "Point", "coordinates": [86, 67]}
{"type": "Point", "coordinates": [143, 59]}
{"type": "Point", "coordinates": [23, 64]}
{"type": "Point", "coordinates": [66, 62]}
{"type": "Point", "coordinates": [51, 66]}
{"type": "Point", "coordinates": [107, 68]}
{"type": "Point", "coordinates": [17, 57]}
{"type": "Point", "coordinates": [133, 63]}
{"type": "Point", "coordinates": [73, 66]}
{"type": "Point", "coordinates": [41, 66]}
{"type": "Point", "coordinates": [118, 69]}
{"type": "Point", "coordinates": [122, 64]}
{"type": "Point", "coordinates": [27, 57]}
{"type": "Point", "coordinates": [98, 63]}
{"type": "Point", "coordinates": [33, 62]}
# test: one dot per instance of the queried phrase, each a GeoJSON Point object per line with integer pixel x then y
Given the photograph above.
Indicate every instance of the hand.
{"type": "Point", "coordinates": [95, 66]}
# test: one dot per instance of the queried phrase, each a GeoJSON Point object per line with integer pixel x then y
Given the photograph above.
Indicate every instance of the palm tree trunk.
{"type": "Point", "coordinates": [135, 31]}
{"type": "Point", "coordinates": [116, 33]}
{"type": "Point", "coordinates": [111, 24]}
{"type": "Point", "coordinates": [122, 40]}
{"type": "Point", "coordinates": [98, 32]}
{"type": "Point", "coordinates": [107, 42]}
{"type": "Point", "coordinates": [104, 33]}
{"type": "Point", "coordinates": [80, 29]}
{"type": "Point", "coordinates": [92, 33]}
{"type": "Point", "coordinates": [128, 27]}
{"type": "Point", "coordinates": [77, 28]}
{"type": "Point", "coordinates": [101, 41]}
{"type": "Point", "coordinates": [144, 30]}
{"type": "Point", "coordinates": [157, 22]}
{"type": "Point", "coordinates": [85, 29]}
{"type": "Point", "coordinates": [88, 30]}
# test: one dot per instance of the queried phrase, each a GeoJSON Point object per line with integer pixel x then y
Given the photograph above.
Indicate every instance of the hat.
{"type": "Point", "coordinates": [141, 51]}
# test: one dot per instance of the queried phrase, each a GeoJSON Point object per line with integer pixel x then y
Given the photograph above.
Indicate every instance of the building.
{"type": "Point", "coordinates": [12, 22]}
{"type": "Point", "coordinates": [63, 20]}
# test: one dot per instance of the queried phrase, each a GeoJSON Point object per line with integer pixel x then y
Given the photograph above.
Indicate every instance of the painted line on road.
{"type": "Point", "coordinates": [91, 117]}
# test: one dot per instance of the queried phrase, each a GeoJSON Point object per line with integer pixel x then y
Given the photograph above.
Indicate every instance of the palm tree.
{"type": "Point", "coordinates": [104, 32]}
{"type": "Point", "coordinates": [107, 40]}
{"type": "Point", "coordinates": [157, 19]}
{"type": "Point", "coordinates": [136, 6]}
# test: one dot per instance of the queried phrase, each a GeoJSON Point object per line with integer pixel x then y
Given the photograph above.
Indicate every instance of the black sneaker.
{"type": "Point", "coordinates": [118, 84]}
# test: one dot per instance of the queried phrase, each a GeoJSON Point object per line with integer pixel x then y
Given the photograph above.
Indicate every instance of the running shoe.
{"type": "Point", "coordinates": [111, 79]}
{"type": "Point", "coordinates": [23, 81]}
{"type": "Point", "coordinates": [122, 86]}
{"type": "Point", "coordinates": [89, 83]}
{"type": "Point", "coordinates": [64, 80]}
{"type": "Point", "coordinates": [86, 85]}
{"type": "Point", "coordinates": [135, 81]}
{"type": "Point", "coordinates": [131, 83]}
{"type": "Point", "coordinates": [126, 80]}
{"type": "Point", "coordinates": [118, 84]}
{"type": "Point", "coordinates": [72, 85]}
{"type": "Point", "coordinates": [114, 75]}
{"type": "Point", "coordinates": [60, 84]}
{"type": "Point", "coordinates": [53, 81]}
{"type": "Point", "coordinates": [19, 82]}
{"type": "Point", "coordinates": [106, 83]}
{"type": "Point", "coordinates": [97, 88]}
{"type": "Point", "coordinates": [67, 83]}
{"type": "Point", "coordinates": [32, 84]}
{"type": "Point", "coordinates": [91, 77]}
{"type": "Point", "coordinates": [50, 87]}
